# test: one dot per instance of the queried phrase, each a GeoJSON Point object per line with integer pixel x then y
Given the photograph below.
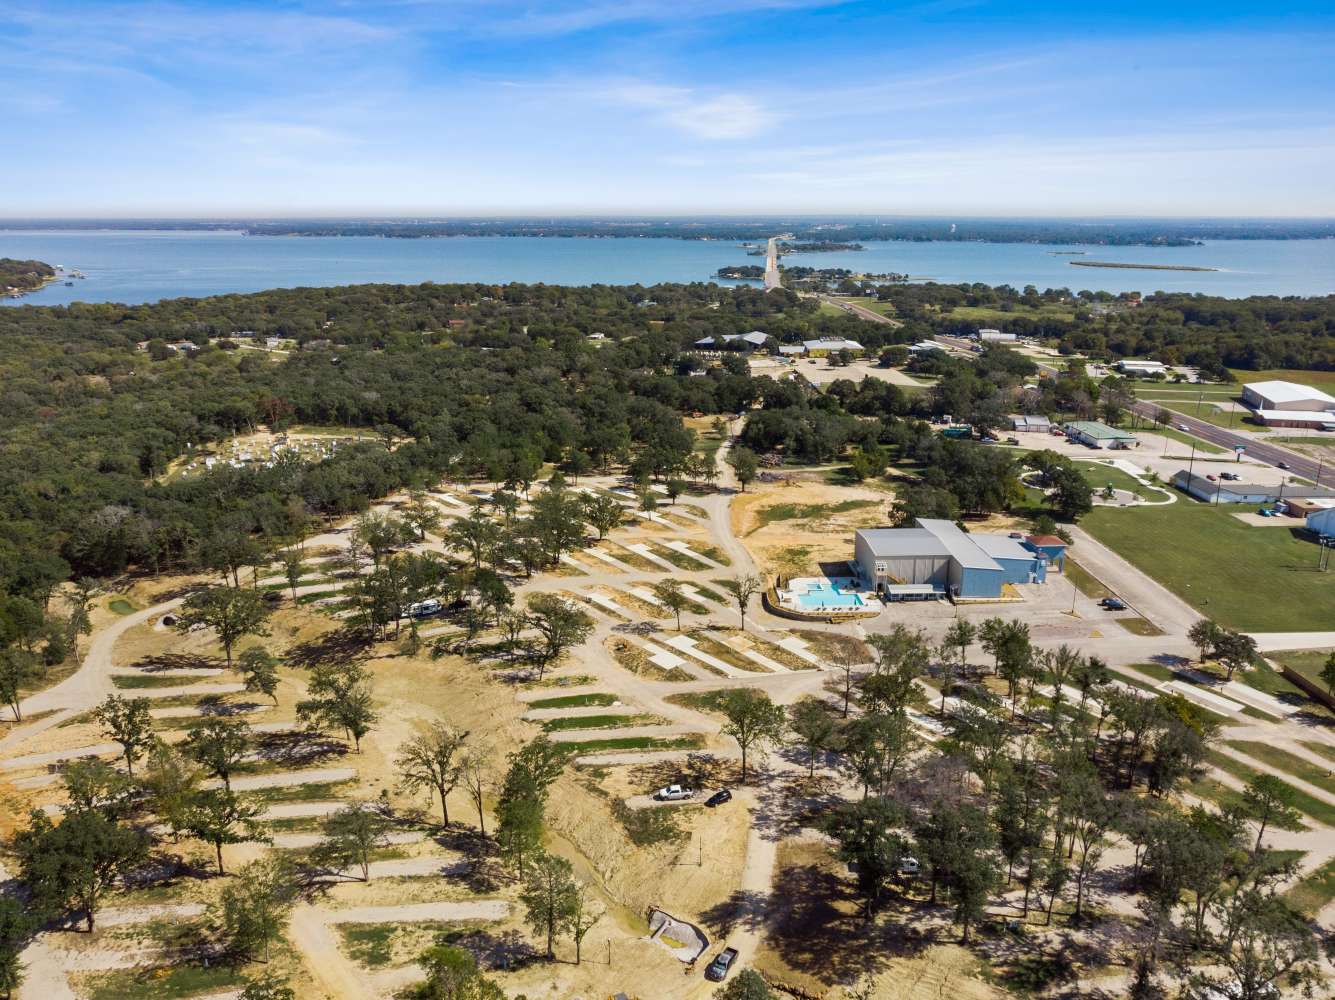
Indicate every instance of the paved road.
{"type": "Point", "coordinates": [1263, 451]}
{"type": "Point", "coordinates": [772, 265]}
{"type": "Point", "coordinates": [862, 312]}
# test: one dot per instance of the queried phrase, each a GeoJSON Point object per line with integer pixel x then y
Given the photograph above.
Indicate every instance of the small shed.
{"type": "Point", "coordinates": [1050, 547]}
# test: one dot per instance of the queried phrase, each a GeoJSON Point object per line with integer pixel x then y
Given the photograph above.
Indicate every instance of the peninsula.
{"type": "Point", "coordinates": [19, 277]}
{"type": "Point", "coordinates": [1139, 267]}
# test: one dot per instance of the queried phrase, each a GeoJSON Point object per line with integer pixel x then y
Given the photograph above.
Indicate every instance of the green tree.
{"type": "Point", "coordinates": [95, 786]}
{"type": "Point", "coordinates": [253, 908]}
{"type": "Point", "coordinates": [1205, 636]}
{"type": "Point", "coordinates": [18, 669]}
{"type": "Point", "coordinates": [452, 974]}
{"type": "Point", "coordinates": [745, 587]}
{"type": "Point", "coordinates": [523, 797]}
{"type": "Point", "coordinates": [869, 843]}
{"type": "Point", "coordinates": [420, 513]}
{"type": "Point", "coordinates": [671, 596]}
{"type": "Point", "coordinates": [585, 911]}
{"type": "Point", "coordinates": [73, 865]}
{"type": "Point", "coordinates": [475, 535]}
{"type": "Point", "coordinates": [172, 780]}
{"type": "Point", "coordinates": [217, 816]}
{"type": "Point", "coordinates": [746, 985]}
{"type": "Point", "coordinates": [1269, 800]}
{"type": "Point", "coordinates": [603, 512]}
{"type": "Point", "coordinates": [549, 896]}
{"type": "Point", "coordinates": [560, 624]}
{"type": "Point", "coordinates": [268, 988]}
{"type": "Point", "coordinates": [219, 745]}
{"type": "Point", "coordinates": [231, 612]}
{"type": "Point", "coordinates": [744, 464]}
{"type": "Point", "coordinates": [17, 925]}
{"type": "Point", "coordinates": [429, 761]}
{"type": "Point", "coordinates": [1327, 675]}
{"type": "Point", "coordinates": [812, 723]}
{"type": "Point", "coordinates": [753, 720]}
{"type": "Point", "coordinates": [339, 695]}
{"type": "Point", "coordinates": [128, 723]}
{"type": "Point", "coordinates": [350, 836]}
{"type": "Point", "coordinates": [259, 670]}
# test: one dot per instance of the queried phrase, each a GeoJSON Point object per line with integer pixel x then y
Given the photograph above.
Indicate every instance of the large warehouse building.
{"type": "Point", "coordinates": [895, 561]}
{"type": "Point", "coordinates": [1217, 491]}
{"type": "Point", "coordinates": [1288, 404]}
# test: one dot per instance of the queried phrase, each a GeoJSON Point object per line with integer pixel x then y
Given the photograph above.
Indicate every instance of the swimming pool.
{"type": "Point", "coordinates": [823, 596]}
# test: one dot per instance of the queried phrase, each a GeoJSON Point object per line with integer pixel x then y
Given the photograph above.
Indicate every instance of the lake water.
{"type": "Point", "coordinates": [145, 266]}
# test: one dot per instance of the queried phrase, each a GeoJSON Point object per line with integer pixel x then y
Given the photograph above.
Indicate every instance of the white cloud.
{"type": "Point", "coordinates": [721, 116]}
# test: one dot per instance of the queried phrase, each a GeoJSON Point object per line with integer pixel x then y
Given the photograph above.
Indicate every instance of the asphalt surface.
{"type": "Point", "coordinates": [1298, 465]}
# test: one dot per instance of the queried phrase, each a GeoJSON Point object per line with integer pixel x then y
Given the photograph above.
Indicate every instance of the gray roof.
{"type": "Point", "coordinates": [890, 543]}
{"type": "Point", "coordinates": [1206, 487]}
{"type": "Point", "coordinates": [1002, 547]}
{"type": "Point", "coordinates": [961, 547]}
{"type": "Point", "coordinates": [755, 337]}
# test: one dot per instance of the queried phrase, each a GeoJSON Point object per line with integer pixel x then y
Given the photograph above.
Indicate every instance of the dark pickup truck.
{"type": "Point", "coordinates": [718, 968]}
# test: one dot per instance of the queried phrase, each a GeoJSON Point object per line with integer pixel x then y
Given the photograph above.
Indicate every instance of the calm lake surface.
{"type": "Point", "coordinates": [145, 266]}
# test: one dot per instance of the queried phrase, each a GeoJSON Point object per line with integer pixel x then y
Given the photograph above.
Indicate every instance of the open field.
{"type": "Point", "coordinates": [1325, 381]}
{"type": "Point", "coordinates": [1219, 565]}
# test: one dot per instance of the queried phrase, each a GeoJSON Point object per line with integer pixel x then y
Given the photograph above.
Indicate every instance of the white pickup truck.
{"type": "Point", "coordinates": [674, 793]}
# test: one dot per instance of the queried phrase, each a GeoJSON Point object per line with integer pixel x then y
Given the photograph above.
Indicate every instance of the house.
{"type": "Point", "coordinates": [1288, 404]}
{"type": "Point", "coordinates": [1096, 434]}
{"type": "Point", "coordinates": [996, 335]}
{"type": "Point", "coordinates": [1219, 491]}
{"type": "Point", "coordinates": [828, 345]}
{"type": "Point", "coordinates": [1128, 366]}
{"type": "Point", "coordinates": [899, 562]}
{"type": "Point", "coordinates": [1025, 422]}
{"type": "Point", "coordinates": [742, 341]}
{"type": "Point", "coordinates": [1050, 547]}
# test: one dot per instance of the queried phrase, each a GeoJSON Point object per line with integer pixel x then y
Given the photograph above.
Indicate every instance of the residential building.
{"type": "Point", "coordinates": [1288, 404]}
{"type": "Point", "coordinates": [743, 341]}
{"type": "Point", "coordinates": [1097, 434]}
{"type": "Point", "coordinates": [899, 561]}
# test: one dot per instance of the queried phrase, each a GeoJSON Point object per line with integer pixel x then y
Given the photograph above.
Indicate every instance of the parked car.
{"type": "Point", "coordinates": [910, 865]}
{"type": "Point", "coordinates": [1012, 440]}
{"type": "Point", "coordinates": [674, 793]}
{"type": "Point", "coordinates": [1230, 476]}
{"type": "Point", "coordinates": [722, 963]}
{"type": "Point", "coordinates": [1113, 604]}
{"type": "Point", "coordinates": [718, 798]}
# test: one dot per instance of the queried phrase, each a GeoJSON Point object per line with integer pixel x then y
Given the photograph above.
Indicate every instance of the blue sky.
{"type": "Point", "coordinates": [404, 107]}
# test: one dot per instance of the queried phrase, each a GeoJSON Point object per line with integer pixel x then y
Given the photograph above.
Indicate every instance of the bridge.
{"type": "Point", "coordinates": [772, 262]}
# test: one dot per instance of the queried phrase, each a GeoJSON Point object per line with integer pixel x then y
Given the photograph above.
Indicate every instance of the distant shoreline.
{"type": "Point", "coordinates": [1139, 267]}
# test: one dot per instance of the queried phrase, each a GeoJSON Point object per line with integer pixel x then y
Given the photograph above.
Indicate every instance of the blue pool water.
{"type": "Point", "coordinates": [824, 595]}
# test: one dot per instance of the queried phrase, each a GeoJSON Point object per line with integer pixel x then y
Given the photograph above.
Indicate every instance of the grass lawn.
{"type": "Point", "coordinates": [1207, 412]}
{"type": "Point", "coordinates": [1051, 310]}
{"type": "Point", "coordinates": [164, 983]}
{"type": "Point", "coordinates": [1323, 749]}
{"type": "Point", "coordinates": [1084, 582]}
{"type": "Point", "coordinates": [1099, 476]}
{"type": "Point", "coordinates": [151, 681]}
{"type": "Point", "coordinates": [692, 742]}
{"type": "Point", "coordinates": [1307, 662]}
{"type": "Point", "coordinates": [1311, 441]}
{"type": "Point", "coordinates": [120, 606]}
{"type": "Point", "coordinates": [594, 700]}
{"type": "Point", "coordinates": [1139, 626]}
{"type": "Point", "coordinates": [594, 722]}
{"type": "Point", "coordinates": [1282, 760]}
{"type": "Point", "coordinates": [1203, 447]}
{"type": "Point", "coordinates": [1219, 565]}
{"type": "Point", "coordinates": [1325, 381]}
{"type": "Point", "coordinates": [1311, 895]}
{"type": "Point", "coordinates": [1271, 682]}
{"type": "Point", "coordinates": [1308, 805]}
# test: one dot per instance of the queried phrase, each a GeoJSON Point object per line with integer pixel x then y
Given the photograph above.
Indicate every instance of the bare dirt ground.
{"type": "Point", "coordinates": [819, 526]}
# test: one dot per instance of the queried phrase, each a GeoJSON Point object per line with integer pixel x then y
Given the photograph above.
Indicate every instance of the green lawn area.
{"type": "Point", "coordinates": [593, 722]}
{"type": "Point", "coordinates": [1051, 310]}
{"type": "Point", "coordinates": [692, 742]}
{"type": "Point", "coordinates": [1211, 415]}
{"type": "Point", "coordinates": [1290, 764]}
{"type": "Point", "coordinates": [1325, 381]}
{"type": "Point", "coordinates": [120, 606]}
{"type": "Point", "coordinates": [1323, 749]}
{"type": "Point", "coordinates": [1311, 441]}
{"type": "Point", "coordinates": [1219, 565]}
{"type": "Point", "coordinates": [1262, 677]}
{"type": "Point", "coordinates": [1203, 447]}
{"type": "Point", "coordinates": [1311, 895]}
{"type": "Point", "coordinates": [164, 983]}
{"type": "Point", "coordinates": [596, 699]}
{"type": "Point", "coordinates": [1307, 662]}
{"type": "Point", "coordinates": [1100, 476]}
{"type": "Point", "coordinates": [1083, 581]}
{"type": "Point", "coordinates": [1308, 805]}
{"type": "Point", "coordinates": [151, 681]}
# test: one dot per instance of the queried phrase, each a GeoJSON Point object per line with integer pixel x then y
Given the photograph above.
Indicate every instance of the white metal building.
{"type": "Point", "coordinates": [1288, 404]}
